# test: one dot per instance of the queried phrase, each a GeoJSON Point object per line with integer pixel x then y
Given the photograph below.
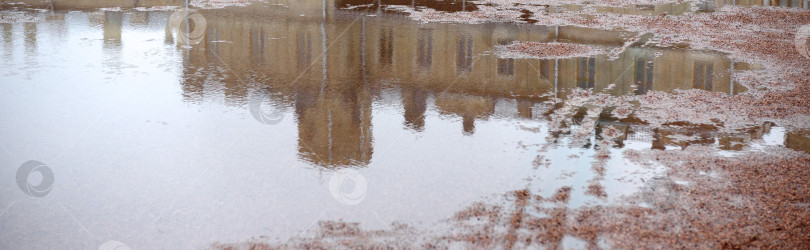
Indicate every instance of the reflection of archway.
{"type": "Point", "coordinates": [469, 107]}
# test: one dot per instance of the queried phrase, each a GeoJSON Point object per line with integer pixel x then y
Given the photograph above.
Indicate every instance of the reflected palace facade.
{"type": "Point", "coordinates": [329, 65]}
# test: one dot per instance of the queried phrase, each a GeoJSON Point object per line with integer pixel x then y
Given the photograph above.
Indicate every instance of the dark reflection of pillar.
{"type": "Point", "coordinates": [7, 33]}
{"type": "Point", "coordinates": [8, 40]}
{"type": "Point", "coordinates": [257, 38]}
{"type": "Point", "coordinates": [424, 48]}
{"type": "Point", "coordinates": [196, 64]}
{"type": "Point", "coordinates": [468, 123]}
{"type": "Point", "coordinates": [192, 81]}
{"type": "Point", "coordinates": [235, 88]}
{"type": "Point", "coordinates": [59, 24]}
{"type": "Point", "coordinates": [415, 103]}
{"type": "Point", "coordinates": [304, 50]}
{"type": "Point", "coordinates": [212, 44]}
{"type": "Point", "coordinates": [112, 28]}
{"type": "Point", "coordinates": [30, 30]}
{"type": "Point", "coordinates": [168, 36]}
{"type": "Point", "coordinates": [657, 140]}
{"type": "Point", "coordinates": [386, 46]}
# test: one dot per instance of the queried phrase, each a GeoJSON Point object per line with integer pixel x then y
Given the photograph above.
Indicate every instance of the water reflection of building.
{"type": "Point", "coordinates": [798, 140]}
{"type": "Point", "coordinates": [660, 138]}
{"type": "Point", "coordinates": [332, 94]}
{"type": "Point", "coordinates": [440, 5]}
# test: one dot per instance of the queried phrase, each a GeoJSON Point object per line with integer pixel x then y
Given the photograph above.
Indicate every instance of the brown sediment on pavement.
{"type": "Point", "coordinates": [758, 200]}
{"type": "Point", "coordinates": [561, 195]}
{"type": "Point", "coordinates": [537, 50]}
{"type": "Point", "coordinates": [755, 200]}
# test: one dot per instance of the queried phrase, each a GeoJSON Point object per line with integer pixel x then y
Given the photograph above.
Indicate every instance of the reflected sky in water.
{"type": "Point", "coordinates": [241, 126]}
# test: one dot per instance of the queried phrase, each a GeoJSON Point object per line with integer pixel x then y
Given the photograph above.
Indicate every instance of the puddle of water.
{"type": "Point", "coordinates": [648, 9]}
{"type": "Point", "coordinates": [379, 5]}
{"type": "Point", "coordinates": [237, 125]}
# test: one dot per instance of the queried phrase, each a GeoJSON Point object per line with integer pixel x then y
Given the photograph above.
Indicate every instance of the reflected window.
{"type": "Point", "coordinates": [644, 76]}
{"type": "Point", "coordinates": [464, 55]}
{"type": "Point", "coordinates": [257, 45]}
{"type": "Point", "coordinates": [506, 66]}
{"type": "Point", "coordinates": [586, 70]}
{"type": "Point", "coordinates": [304, 50]}
{"type": "Point", "coordinates": [386, 46]}
{"type": "Point", "coordinates": [703, 76]}
{"type": "Point", "coordinates": [545, 68]}
{"type": "Point", "coordinates": [424, 48]}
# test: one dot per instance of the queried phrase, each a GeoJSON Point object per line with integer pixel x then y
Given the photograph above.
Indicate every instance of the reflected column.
{"type": "Point", "coordinates": [415, 103]}
{"type": "Point", "coordinates": [8, 41]}
{"type": "Point", "coordinates": [112, 39]}
{"type": "Point", "coordinates": [30, 31]}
